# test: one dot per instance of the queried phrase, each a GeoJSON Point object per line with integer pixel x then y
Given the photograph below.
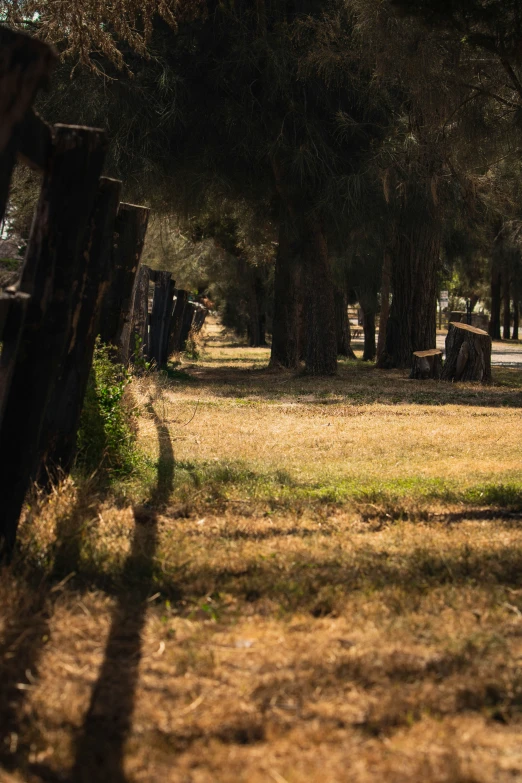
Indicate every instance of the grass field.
{"type": "Point", "coordinates": [307, 580]}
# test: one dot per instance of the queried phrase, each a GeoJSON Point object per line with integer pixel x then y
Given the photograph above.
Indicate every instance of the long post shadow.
{"type": "Point", "coordinates": [100, 748]}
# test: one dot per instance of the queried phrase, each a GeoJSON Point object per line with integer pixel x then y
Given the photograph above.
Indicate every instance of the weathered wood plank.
{"type": "Point", "coordinates": [50, 276]}
{"type": "Point", "coordinates": [129, 237]}
{"type": "Point", "coordinates": [58, 440]}
{"type": "Point", "coordinates": [25, 65]}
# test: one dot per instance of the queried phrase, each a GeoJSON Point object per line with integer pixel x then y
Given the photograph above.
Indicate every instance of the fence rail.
{"type": "Point", "coordinates": [81, 277]}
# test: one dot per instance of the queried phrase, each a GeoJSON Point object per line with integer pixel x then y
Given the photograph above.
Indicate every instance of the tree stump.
{"type": "Point", "coordinates": [427, 364]}
{"type": "Point", "coordinates": [468, 354]}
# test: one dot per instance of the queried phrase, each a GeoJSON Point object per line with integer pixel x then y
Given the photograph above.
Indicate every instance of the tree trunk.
{"type": "Point", "coordinates": [496, 295]}
{"type": "Point", "coordinates": [412, 322]}
{"type": "Point", "coordinates": [468, 354]}
{"type": "Point", "coordinates": [287, 290]}
{"type": "Point", "coordinates": [506, 301]}
{"type": "Point", "coordinates": [369, 335]}
{"type": "Point", "coordinates": [516, 315]}
{"type": "Point", "coordinates": [321, 339]}
{"type": "Point", "coordinates": [342, 324]}
{"type": "Point", "coordinates": [385, 304]}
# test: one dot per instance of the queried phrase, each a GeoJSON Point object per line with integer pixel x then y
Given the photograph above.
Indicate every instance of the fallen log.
{"type": "Point", "coordinates": [468, 354]}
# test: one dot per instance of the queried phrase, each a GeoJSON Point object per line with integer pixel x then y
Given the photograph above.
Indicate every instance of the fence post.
{"type": "Point", "coordinates": [13, 307]}
{"type": "Point", "coordinates": [139, 333]}
{"type": "Point", "coordinates": [129, 237]}
{"type": "Point", "coordinates": [160, 317]}
{"type": "Point", "coordinates": [50, 275]}
{"type": "Point", "coordinates": [25, 65]}
{"type": "Point", "coordinates": [58, 440]}
{"type": "Point", "coordinates": [188, 317]}
{"type": "Point", "coordinates": [177, 321]}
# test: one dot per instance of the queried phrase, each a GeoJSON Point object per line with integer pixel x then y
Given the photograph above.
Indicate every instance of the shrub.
{"type": "Point", "coordinates": [106, 437]}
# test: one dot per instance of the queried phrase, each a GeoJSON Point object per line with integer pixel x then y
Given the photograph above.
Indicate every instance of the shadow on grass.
{"type": "Point", "coordinates": [359, 383]}
{"type": "Point", "coordinates": [99, 749]}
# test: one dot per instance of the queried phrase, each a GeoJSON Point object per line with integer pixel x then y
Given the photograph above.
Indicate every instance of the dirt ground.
{"type": "Point", "coordinates": [321, 583]}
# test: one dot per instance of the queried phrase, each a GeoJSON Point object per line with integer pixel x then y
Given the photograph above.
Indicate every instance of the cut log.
{"type": "Point", "coordinates": [427, 364]}
{"type": "Point", "coordinates": [50, 275]}
{"type": "Point", "coordinates": [468, 354]}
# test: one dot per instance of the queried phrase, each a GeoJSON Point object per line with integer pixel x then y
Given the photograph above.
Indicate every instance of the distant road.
{"type": "Point", "coordinates": [503, 354]}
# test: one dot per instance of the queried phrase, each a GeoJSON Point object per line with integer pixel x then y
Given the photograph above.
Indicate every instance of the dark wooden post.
{"type": "Point", "coordinates": [200, 314]}
{"type": "Point", "coordinates": [188, 317]}
{"type": "Point", "coordinates": [160, 317]}
{"type": "Point", "coordinates": [176, 324]}
{"type": "Point", "coordinates": [139, 337]}
{"type": "Point", "coordinates": [468, 354]}
{"type": "Point", "coordinates": [13, 307]}
{"type": "Point", "coordinates": [129, 237]}
{"type": "Point", "coordinates": [25, 65]}
{"type": "Point", "coordinates": [58, 440]}
{"type": "Point", "coordinates": [50, 275]}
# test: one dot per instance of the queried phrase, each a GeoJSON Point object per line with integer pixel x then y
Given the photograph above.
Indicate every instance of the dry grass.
{"type": "Point", "coordinates": [260, 617]}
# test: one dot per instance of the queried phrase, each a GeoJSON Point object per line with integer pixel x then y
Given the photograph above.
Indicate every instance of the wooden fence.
{"type": "Point", "coordinates": [81, 277]}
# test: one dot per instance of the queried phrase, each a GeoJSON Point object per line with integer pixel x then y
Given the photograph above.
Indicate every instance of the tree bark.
{"type": "Point", "coordinates": [506, 301]}
{"type": "Point", "coordinates": [287, 290]}
{"type": "Point", "coordinates": [516, 315]}
{"type": "Point", "coordinates": [468, 354]}
{"type": "Point", "coordinates": [321, 339]}
{"type": "Point", "coordinates": [412, 321]}
{"type": "Point", "coordinates": [370, 349]}
{"type": "Point", "coordinates": [496, 297]}
{"type": "Point", "coordinates": [342, 324]}
{"type": "Point", "coordinates": [385, 304]}
{"type": "Point", "coordinates": [427, 364]}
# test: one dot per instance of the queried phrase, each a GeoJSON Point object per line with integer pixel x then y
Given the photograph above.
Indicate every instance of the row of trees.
{"type": "Point", "coordinates": [331, 150]}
